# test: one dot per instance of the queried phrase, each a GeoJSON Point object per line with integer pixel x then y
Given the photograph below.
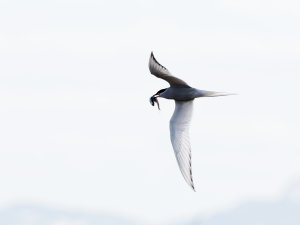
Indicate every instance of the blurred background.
{"type": "Point", "coordinates": [80, 143]}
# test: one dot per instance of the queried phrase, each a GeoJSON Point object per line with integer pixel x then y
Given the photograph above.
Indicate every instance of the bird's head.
{"type": "Point", "coordinates": [153, 98]}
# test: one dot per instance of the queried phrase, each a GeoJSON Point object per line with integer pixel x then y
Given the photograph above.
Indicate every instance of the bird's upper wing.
{"type": "Point", "coordinates": [161, 72]}
{"type": "Point", "coordinates": [179, 131]}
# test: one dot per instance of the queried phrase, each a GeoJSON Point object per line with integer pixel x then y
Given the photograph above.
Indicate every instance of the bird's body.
{"type": "Point", "coordinates": [180, 93]}
{"type": "Point", "coordinates": [183, 95]}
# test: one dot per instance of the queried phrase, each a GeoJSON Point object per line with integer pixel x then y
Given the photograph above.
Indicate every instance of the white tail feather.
{"type": "Point", "coordinates": [216, 94]}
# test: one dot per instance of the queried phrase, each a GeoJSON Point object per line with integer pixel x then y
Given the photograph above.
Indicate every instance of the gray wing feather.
{"type": "Point", "coordinates": [161, 72]}
{"type": "Point", "coordinates": [179, 131]}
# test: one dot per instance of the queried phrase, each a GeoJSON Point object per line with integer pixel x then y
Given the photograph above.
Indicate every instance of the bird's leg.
{"type": "Point", "coordinates": [153, 100]}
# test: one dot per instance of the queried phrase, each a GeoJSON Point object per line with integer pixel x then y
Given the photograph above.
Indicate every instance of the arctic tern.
{"type": "Point", "coordinates": [184, 95]}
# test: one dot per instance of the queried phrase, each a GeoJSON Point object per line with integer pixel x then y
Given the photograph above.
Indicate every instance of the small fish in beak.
{"type": "Point", "coordinates": [154, 100]}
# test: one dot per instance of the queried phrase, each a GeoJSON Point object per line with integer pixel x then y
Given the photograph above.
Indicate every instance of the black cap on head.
{"type": "Point", "coordinates": [161, 91]}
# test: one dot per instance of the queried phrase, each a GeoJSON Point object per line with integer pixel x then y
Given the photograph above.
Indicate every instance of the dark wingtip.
{"type": "Point", "coordinates": [154, 59]}
{"type": "Point", "coordinates": [152, 55]}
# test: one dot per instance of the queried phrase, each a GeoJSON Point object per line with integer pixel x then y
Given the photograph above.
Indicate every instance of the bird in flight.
{"type": "Point", "coordinates": [184, 96]}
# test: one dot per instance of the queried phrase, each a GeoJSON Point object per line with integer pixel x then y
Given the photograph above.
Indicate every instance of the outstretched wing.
{"type": "Point", "coordinates": [161, 72]}
{"type": "Point", "coordinates": [179, 131]}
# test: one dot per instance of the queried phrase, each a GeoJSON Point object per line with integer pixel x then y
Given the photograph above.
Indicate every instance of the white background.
{"type": "Point", "coordinates": [76, 126]}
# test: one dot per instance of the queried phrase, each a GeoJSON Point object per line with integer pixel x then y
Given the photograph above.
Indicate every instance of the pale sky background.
{"type": "Point", "coordinates": [76, 126]}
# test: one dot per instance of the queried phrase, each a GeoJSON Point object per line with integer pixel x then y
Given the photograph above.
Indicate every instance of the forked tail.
{"type": "Point", "coordinates": [215, 94]}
